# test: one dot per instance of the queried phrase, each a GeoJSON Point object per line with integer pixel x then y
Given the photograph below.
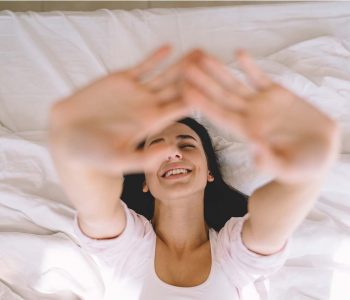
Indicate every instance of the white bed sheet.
{"type": "Point", "coordinates": [46, 56]}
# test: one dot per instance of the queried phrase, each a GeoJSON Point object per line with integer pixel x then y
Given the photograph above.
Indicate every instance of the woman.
{"type": "Point", "coordinates": [95, 136]}
{"type": "Point", "coordinates": [221, 202]}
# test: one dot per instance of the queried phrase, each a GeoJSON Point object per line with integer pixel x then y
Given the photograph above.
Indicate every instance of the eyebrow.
{"type": "Point", "coordinates": [178, 137]}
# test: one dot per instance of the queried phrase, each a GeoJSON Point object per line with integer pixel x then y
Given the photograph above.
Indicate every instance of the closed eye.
{"type": "Point", "coordinates": [187, 145]}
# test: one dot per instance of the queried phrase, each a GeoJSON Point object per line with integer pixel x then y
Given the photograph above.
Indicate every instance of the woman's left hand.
{"type": "Point", "coordinates": [291, 139]}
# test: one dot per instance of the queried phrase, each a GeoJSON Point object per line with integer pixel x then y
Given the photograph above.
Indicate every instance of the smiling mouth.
{"type": "Point", "coordinates": [180, 175]}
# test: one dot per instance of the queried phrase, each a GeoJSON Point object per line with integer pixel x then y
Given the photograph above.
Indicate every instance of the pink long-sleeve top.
{"type": "Point", "coordinates": [129, 273]}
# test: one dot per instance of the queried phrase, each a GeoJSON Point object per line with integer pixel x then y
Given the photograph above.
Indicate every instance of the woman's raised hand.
{"type": "Point", "coordinates": [292, 140]}
{"type": "Point", "coordinates": [102, 124]}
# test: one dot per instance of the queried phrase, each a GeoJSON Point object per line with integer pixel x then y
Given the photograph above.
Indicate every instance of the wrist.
{"type": "Point", "coordinates": [301, 182]}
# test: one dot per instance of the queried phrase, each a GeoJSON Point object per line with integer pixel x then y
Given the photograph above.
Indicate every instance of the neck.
{"type": "Point", "coordinates": [180, 223]}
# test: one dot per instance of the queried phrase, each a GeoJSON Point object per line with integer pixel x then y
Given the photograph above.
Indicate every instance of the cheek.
{"type": "Point", "coordinates": [204, 175]}
{"type": "Point", "coordinates": [201, 167]}
{"type": "Point", "coordinates": [150, 178]}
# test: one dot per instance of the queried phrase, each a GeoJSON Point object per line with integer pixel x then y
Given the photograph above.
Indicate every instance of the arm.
{"type": "Point", "coordinates": [96, 197]}
{"type": "Point", "coordinates": [94, 134]}
{"type": "Point", "coordinates": [275, 211]}
{"type": "Point", "coordinates": [94, 194]}
{"type": "Point", "coordinates": [291, 139]}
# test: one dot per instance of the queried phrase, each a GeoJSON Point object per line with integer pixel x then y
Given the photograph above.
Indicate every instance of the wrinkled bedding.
{"type": "Point", "coordinates": [46, 56]}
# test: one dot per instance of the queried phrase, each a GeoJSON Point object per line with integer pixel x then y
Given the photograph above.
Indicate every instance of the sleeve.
{"type": "Point", "coordinates": [113, 251]}
{"type": "Point", "coordinates": [241, 265]}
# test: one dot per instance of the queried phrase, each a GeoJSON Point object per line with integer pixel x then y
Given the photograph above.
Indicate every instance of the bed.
{"type": "Point", "coordinates": [46, 56]}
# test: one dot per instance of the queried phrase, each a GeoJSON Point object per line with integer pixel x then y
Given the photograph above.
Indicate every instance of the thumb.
{"type": "Point", "coordinates": [148, 160]}
{"type": "Point", "coordinates": [154, 157]}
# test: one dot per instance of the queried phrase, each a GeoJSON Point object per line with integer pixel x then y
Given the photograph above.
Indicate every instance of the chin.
{"type": "Point", "coordinates": [181, 192]}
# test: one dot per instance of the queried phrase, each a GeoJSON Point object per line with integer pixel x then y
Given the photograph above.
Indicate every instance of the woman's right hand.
{"type": "Point", "coordinates": [101, 125]}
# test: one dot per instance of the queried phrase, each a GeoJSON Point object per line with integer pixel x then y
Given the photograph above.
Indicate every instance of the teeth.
{"type": "Point", "coordinates": [176, 171]}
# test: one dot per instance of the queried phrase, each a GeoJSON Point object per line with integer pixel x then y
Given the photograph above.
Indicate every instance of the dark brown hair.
{"type": "Point", "coordinates": [221, 201]}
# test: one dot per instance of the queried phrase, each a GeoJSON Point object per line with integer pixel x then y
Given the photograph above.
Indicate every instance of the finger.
{"type": "Point", "coordinates": [174, 72]}
{"type": "Point", "coordinates": [107, 155]}
{"type": "Point", "coordinates": [169, 93]}
{"type": "Point", "coordinates": [257, 77]}
{"type": "Point", "coordinates": [220, 72]}
{"type": "Point", "coordinates": [129, 161]}
{"type": "Point", "coordinates": [103, 155]}
{"type": "Point", "coordinates": [169, 76]}
{"type": "Point", "coordinates": [145, 160]}
{"type": "Point", "coordinates": [223, 117]}
{"type": "Point", "coordinates": [213, 89]}
{"type": "Point", "coordinates": [151, 62]}
{"type": "Point", "coordinates": [161, 117]}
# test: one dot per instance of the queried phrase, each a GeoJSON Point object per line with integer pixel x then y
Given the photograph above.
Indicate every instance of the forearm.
{"type": "Point", "coordinates": [94, 194]}
{"type": "Point", "coordinates": [279, 209]}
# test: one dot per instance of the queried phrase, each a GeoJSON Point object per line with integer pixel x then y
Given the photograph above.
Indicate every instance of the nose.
{"type": "Point", "coordinates": [175, 153]}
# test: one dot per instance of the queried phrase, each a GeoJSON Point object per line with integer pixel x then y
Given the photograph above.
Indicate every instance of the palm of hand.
{"type": "Point", "coordinates": [293, 140]}
{"type": "Point", "coordinates": [102, 124]}
{"type": "Point", "coordinates": [105, 121]}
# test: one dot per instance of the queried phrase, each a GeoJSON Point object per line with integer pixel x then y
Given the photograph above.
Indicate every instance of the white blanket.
{"type": "Point", "coordinates": [46, 56]}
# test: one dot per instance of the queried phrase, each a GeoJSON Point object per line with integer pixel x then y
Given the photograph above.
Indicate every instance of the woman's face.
{"type": "Point", "coordinates": [187, 153]}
